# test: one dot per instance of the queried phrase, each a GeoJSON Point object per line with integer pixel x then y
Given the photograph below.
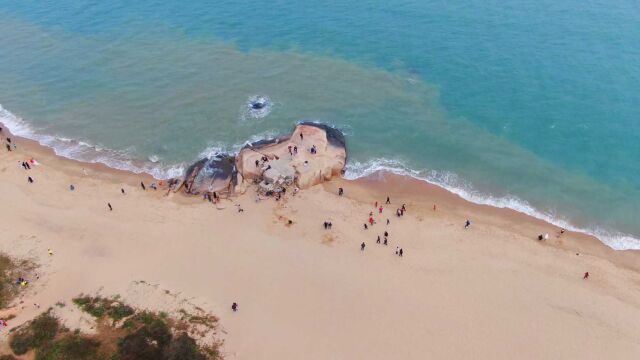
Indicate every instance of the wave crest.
{"type": "Point", "coordinates": [453, 183]}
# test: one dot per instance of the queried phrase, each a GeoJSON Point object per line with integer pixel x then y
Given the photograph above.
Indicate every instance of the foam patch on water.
{"type": "Point", "coordinates": [465, 190]}
{"type": "Point", "coordinates": [91, 153]}
{"type": "Point", "coordinates": [256, 107]}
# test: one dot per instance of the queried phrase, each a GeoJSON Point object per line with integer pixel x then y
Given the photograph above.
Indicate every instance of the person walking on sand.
{"type": "Point", "coordinates": [434, 207]}
{"type": "Point", "coordinates": [388, 200]}
{"type": "Point", "coordinates": [378, 241]}
{"type": "Point", "coordinates": [301, 137]}
{"type": "Point", "coordinates": [371, 221]}
{"type": "Point", "coordinates": [142, 185]}
{"type": "Point", "coordinates": [110, 207]}
{"type": "Point", "coordinates": [362, 246]}
{"type": "Point", "coordinates": [586, 276]}
{"type": "Point", "coordinates": [386, 234]}
{"type": "Point", "coordinates": [234, 306]}
{"type": "Point", "coordinates": [397, 250]}
{"type": "Point", "coordinates": [380, 210]}
{"type": "Point", "coordinates": [467, 224]}
{"type": "Point", "coordinates": [122, 190]}
{"type": "Point", "coordinates": [30, 180]}
{"type": "Point", "coordinates": [400, 252]}
{"type": "Point", "coordinates": [388, 222]}
{"type": "Point", "coordinates": [340, 191]}
{"type": "Point", "coordinates": [365, 226]}
{"type": "Point", "coordinates": [385, 242]}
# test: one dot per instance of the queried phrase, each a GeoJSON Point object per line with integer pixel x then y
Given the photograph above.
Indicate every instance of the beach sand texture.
{"type": "Point", "coordinates": [492, 291]}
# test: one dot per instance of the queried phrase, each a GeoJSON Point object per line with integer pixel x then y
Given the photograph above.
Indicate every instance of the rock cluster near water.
{"type": "Point", "coordinates": [272, 164]}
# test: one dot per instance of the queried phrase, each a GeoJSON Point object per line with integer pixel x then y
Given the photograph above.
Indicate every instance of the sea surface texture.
{"type": "Point", "coordinates": [533, 105]}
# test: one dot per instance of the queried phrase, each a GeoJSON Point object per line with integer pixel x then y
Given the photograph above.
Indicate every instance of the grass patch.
{"type": "Point", "coordinates": [99, 307]}
{"type": "Point", "coordinates": [35, 333]}
{"type": "Point", "coordinates": [10, 270]}
{"type": "Point", "coordinates": [143, 335]}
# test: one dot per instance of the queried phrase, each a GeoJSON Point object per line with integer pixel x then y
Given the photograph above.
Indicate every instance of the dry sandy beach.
{"type": "Point", "coordinates": [492, 291]}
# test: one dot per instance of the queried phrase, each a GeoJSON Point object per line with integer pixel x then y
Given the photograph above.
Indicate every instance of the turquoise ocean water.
{"type": "Point", "coordinates": [532, 105]}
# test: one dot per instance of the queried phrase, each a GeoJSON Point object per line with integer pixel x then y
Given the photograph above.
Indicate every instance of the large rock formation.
{"type": "Point", "coordinates": [216, 173]}
{"type": "Point", "coordinates": [273, 164]}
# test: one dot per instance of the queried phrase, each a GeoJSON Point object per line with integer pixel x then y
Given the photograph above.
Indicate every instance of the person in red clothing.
{"type": "Point", "coordinates": [586, 276]}
{"type": "Point", "coordinates": [370, 220]}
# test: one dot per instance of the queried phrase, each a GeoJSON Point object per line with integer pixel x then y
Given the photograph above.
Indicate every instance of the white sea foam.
{"type": "Point", "coordinates": [465, 190]}
{"type": "Point", "coordinates": [122, 160]}
{"type": "Point", "coordinates": [90, 153]}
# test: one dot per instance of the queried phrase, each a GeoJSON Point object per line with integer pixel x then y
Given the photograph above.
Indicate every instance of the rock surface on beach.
{"type": "Point", "coordinates": [216, 173]}
{"type": "Point", "coordinates": [272, 163]}
{"type": "Point", "coordinates": [302, 168]}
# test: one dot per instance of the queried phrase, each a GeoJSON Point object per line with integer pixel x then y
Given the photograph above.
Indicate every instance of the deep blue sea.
{"type": "Point", "coordinates": [533, 105]}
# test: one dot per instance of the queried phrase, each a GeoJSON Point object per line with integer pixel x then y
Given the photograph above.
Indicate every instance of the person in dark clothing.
{"type": "Point", "coordinates": [365, 226]}
{"type": "Point", "coordinates": [388, 222]}
{"type": "Point", "coordinates": [234, 307]}
{"type": "Point", "coordinates": [388, 200]}
{"type": "Point", "coordinates": [110, 207]}
{"type": "Point", "coordinates": [400, 252]}
{"type": "Point", "coordinates": [386, 234]}
{"type": "Point", "coordinates": [378, 241]}
{"type": "Point", "coordinates": [467, 224]}
{"type": "Point", "coordinates": [142, 185]}
{"type": "Point", "coordinates": [340, 191]}
{"type": "Point", "coordinates": [30, 180]}
{"type": "Point", "coordinates": [385, 241]}
{"type": "Point", "coordinates": [362, 246]}
{"type": "Point", "coordinates": [326, 225]}
{"type": "Point", "coordinates": [257, 163]}
{"type": "Point", "coordinates": [122, 190]}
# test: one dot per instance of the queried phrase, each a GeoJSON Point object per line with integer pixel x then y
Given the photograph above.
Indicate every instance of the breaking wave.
{"type": "Point", "coordinates": [453, 183]}
{"type": "Point", "coordinates": [91, 153]}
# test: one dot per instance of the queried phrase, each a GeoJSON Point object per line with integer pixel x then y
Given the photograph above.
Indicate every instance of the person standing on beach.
{"type": "Point", "coordinates": [388, 200]}
{"type": "Point", "coordinates": [400, 252]}
{"type": "Point", "coordinates": [122, 190]}
{"type": "Point", "coordinates": [142, 185]}
{"type": "Point", "coordinates": [385, 242]}
{"type": "Point", "coordinates": [388, 222]}
{"type": "Point", "coordinates": [467, 224]}
{"type": "Point", "coordinates": [378, 241]}
{"type": "Point", "coordinates": [30, 180]}
{"type": "Point", "coordinates": [380, 210]}
{"type": "Point", "coordinates": [362, 246]}
{"type": "Point", "coordinates": [340, 191]}
{"type": "Point", "coordinates": [110, 207]}
{"type": "Point", "coordinates": [301, 137]}
{"type": "Point", "coordinates": [365, 226]}
{"type": "Point", "coordinates": [234, 307]}
{"type": "Point", "coordinates": [586, 276]}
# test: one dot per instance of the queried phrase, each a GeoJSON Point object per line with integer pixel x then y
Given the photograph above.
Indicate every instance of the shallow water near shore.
{"type": "Point", "coordinates": [514, 106]}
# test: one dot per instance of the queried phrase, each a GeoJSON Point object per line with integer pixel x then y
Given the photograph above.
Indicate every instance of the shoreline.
{"type": "Point", "coordinates": [373, 180]}
{"type": "Point", "coordinates": [492, 291]}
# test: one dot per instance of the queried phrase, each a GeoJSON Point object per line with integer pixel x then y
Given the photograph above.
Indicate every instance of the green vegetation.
{"type": "Point", "coordinates": [71, 347]}
{"type": "Point", "coordinates": [143, 335]}
{"type": "Point", "coordinates": [10, 270]}
{"type": "Point", "coordinates": [38, 332]}
{"type": "Point", "coordinates": [100, 307]}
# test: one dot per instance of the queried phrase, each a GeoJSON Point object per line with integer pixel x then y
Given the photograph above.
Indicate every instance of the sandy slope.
{"type": "Point", "coordinates": [490, 292]}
